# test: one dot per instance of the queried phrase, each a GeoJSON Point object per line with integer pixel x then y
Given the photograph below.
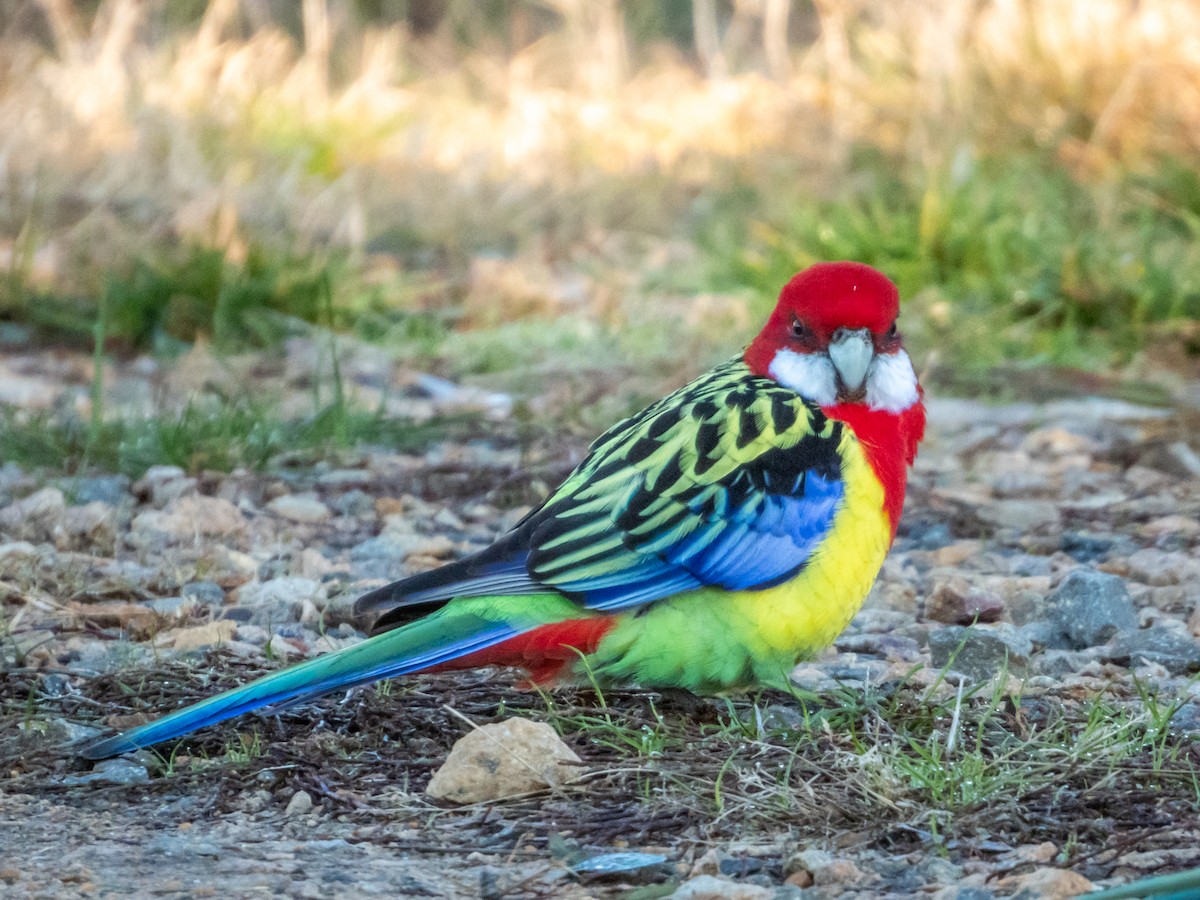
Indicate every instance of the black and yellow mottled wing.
{"type": "Point", "coordinates": [732, 481]}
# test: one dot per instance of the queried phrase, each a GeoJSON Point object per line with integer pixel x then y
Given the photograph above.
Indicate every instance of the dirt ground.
{"type": "Point", "coordinates": [108, 589]}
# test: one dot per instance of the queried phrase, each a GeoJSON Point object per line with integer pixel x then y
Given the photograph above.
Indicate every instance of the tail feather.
{"type": "Point", "coordinates": [420, 645]}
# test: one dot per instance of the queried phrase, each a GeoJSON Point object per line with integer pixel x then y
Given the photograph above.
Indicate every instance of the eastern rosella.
{"type": "Point", "coordinates": [708, 543]}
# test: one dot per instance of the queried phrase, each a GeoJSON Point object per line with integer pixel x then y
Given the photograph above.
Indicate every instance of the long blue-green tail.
{"type": "Point", "coordinates": [1178, 886]}
{"type": "Point", "coordinates": [428, 642]}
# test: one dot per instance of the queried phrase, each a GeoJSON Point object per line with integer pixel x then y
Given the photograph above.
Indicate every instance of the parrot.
{"type": "Point", "coordinates": [708, 543]}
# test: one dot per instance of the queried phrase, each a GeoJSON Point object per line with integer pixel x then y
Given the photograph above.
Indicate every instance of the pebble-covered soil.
{"type": "Point", "coordinates": [1050, 553]}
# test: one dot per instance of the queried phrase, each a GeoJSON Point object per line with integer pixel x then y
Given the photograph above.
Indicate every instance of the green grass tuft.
{"type": "Point", "coordinates": [205, 437]}
{"type": "Point", "coordinates": [1001, 259]}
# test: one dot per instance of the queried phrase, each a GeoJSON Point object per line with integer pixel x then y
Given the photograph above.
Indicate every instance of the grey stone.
{"type": "Point", "coordinates": [36, 516]}
{"type": "Point", "coordinates": [55, 732]}
{"type": "Point", "coordinates": [301, 804]}
{"type": "Point", "coordinates": [1059, 663]}
{"type": "Point", "coordinates": [1044, 635]}
{"type": "Point", "coordinates": [887, 646]}
{"type": "Point", "coordinates": [377, 558]}
{"type": "Point", "coordinates": [956, 601]}
{"type": "Point", "coordinates": [1186, 719]}
{"type": "Point", "coordinates": [1091, 607]}
{"type": "Point", "coordinates": [206, 593]}
{"type": "Point", "coordinates": [299, 508]}
{"type": "Point", "coordinates": [356, 503]}
{"type": "Point", "coordinates": [18, 550]}
{"type": "Point", "coordinates": [282, 600]}
{"type": "Point", "coordinates": [110, 489]}
{"type": "Point", "coordinates": [710, 887]}
{"type": "Point", "coordinates": [1023, 515]}
{"type": "Point", "coordinates": [347, 478]}
{"type": "Point", "coordinates": [112, 771]}
{"type": "Point", "coordinates": [1174, 650]}
{"type": "Point", "coordinates": [984, 653]}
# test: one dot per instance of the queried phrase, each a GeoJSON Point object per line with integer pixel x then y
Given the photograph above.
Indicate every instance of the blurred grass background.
{"type": "Point", "coordinates": [534, 189]}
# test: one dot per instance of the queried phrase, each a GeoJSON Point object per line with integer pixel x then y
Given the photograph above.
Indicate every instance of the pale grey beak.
{"type": "Point", "coordinates": [851, 351]}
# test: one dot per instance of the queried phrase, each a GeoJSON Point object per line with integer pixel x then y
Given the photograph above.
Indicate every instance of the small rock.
{"type": "Point", "coordinates": [891, 647]}
{"type": "Point", "coordinates": [161, 485]}
{"type": "Point", "coordinates": [1159, 567]}
{"type": "Point", "coordinates": [627, 864]}
{"type": "Point", "coordinates": [53, 732]}
{"type": "Point", "coordinates": [355, 503]}
{"type": "Point", "coordinates": [1060, 663]}
{"type": "Point", "coordinates": [1175, 651]}
{"type": "Point", "coordinates": [801, 879]}
{"type": "Point", "coordinates": [709, 887]}
{"type": "Point", "coordinates": [959, 892]}
{"type": "Point", "coordinates": [824, 867]}
{"type": "Point", "coordinates": [311, 563]}
{"type": "Point", "coordinates": [1023, 515]}
{"type": "Point", "coordinates": [709, 863]}
{"type": "Point", "coordinates": [1091, 607]}
{"type": "Point", "coordinates": [133, 617]}
{"type": "Point", "coordinates": [504, 759]}
{"type": "Point", "coordinates": [91, 525]}
{"type": "Point", "coordinates": [1176, 459]}
{"type": "Point", "coordinates": [301, 804]}
{"type": "Point", "coordinates": [984, 653]}
{"type": "Point", "coordinates": [955, 554]}
{"type": "Point", "coordinates": [281, 648]}
{"type": "Point", "coordinates": [17, 550]}
{"type": "Point", "coordinates": [1086, 547]}
{"type": "Point", "coordinates": [377, 558]}
{"type": "Point", "coordinates": [203, 593]}
{"type": "Point", "coordinates": [110, 489]}
{"type": "Point", "coordinates": [302, 508]}
{"type": "Point", "coordinates": [26, 391]}
{"type": "Point", "coordinates": [36, 517]}
{"type": "Point", "coordinates": [346, 478]}
{"type": "Point", "coordinates": [1043, 852]}
{"type": "Point", "coordinates": [1186, 719]}
{"type": "Point", "coordinates": [282, 600]}
{"type": "Point", "coordinates": [1046, 884]}
{"type": "Point", "coordinates": [1171, 525]}
{"type": "Point", "coordinates": [1044, 635]}
{"type": "Point", "coordinates": [1017, 483]}
{"type": "Point", "coordinates": [200, 636]}
{"type": "Point", "coordinates": [956, 602]}
{"type": "Point", "coordinates": [189, 519]}
{"type": "Point", "coordinates": [112, 771]}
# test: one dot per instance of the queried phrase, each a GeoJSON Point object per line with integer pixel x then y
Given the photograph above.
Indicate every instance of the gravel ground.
{"type": "Point", "coordinates": [1055, 543]}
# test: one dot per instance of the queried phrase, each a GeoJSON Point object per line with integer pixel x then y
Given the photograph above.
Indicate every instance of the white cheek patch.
{"type": "Point", "coordinates": [891, 382]}
{"type": "Point", "coordinates": [810, 375]}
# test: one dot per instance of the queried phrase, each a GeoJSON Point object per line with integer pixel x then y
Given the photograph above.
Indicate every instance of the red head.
{"type": "Point", "coordinates": [832, 338]}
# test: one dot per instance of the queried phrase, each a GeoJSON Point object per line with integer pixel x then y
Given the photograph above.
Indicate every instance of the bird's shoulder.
{"type": "Point", "coordinates": [726, 423]}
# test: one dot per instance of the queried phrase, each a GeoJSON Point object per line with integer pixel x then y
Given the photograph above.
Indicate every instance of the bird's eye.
{"type": "Point", "coordinates": [799, 330]}
{"type": "Point", "coordinates": [893, 331]}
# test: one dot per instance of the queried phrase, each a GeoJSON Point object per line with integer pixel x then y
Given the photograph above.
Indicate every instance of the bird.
{"type": "Point", "coordinates": [707, 543]}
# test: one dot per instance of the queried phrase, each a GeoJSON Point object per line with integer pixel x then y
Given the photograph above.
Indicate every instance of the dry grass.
{"type": "Point", "coordinates": [121, 134]}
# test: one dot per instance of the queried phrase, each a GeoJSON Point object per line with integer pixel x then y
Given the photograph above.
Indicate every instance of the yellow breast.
{"type": "Point", "coordinates": [709, 639]}
{"type": "Point", "coordinates": [806, 614]}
